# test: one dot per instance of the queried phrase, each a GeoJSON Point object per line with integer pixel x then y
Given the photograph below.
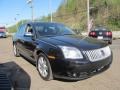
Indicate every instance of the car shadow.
{"type": "Point", "coordinates": [19, 79]}
{"type": "Point", "coordinates": [66, 80]}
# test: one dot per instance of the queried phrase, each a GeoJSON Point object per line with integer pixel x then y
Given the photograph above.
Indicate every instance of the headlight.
{"type": "Point", "coordinates": [71, 52]}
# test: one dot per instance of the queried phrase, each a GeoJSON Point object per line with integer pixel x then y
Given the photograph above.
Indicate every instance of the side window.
{"type": "Point", "coordinates": [39, 30]}
{"type": "Point", "coordinates": [21, 30]}
{"type": "Point", "coordinates": [29, 29]}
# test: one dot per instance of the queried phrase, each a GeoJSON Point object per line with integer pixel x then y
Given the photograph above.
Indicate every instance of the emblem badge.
{"type": "Point", "coordinates": [100, 33]}
{"type": "Point", "coordinates": [102, 53]}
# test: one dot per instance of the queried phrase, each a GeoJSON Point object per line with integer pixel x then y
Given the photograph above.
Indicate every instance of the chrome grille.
{"type": "Point", "coordinates": [98, 54]}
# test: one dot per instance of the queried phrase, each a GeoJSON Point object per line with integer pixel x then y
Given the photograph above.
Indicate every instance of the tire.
{"type": "Point", "coordinates": [110, 42]}
{"type": "Point", "coordinates": [16, 51]}
{"type": "Point", "coordinates": [44, 68]}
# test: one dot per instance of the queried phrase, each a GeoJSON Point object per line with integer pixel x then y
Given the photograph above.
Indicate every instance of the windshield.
{"type": "Point", "coordinates": [52, 29]}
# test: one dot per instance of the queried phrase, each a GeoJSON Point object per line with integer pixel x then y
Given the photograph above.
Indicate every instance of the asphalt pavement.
{"type": "Point", "coordinates": [24, 75]}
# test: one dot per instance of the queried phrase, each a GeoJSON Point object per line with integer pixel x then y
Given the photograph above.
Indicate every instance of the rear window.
{"type": "Point", "coordinates": [97, 29]}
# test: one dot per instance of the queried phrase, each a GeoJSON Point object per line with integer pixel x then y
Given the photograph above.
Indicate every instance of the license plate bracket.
{"type": "Point", "coordinates": [100, 37]}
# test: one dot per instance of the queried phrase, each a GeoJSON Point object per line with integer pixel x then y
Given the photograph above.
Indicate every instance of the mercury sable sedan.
{"type": "Point", "coordinates": [60, 53]}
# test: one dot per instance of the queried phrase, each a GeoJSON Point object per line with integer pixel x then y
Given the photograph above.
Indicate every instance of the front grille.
{"type": "Point", "coordinates": [98, 54]}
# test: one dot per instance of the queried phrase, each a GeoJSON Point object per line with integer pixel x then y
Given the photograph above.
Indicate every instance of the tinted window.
{"type": "Point", "coordinates": [29, 29]}
{"type": "Point", "coordinates": [21, 30]}
{"type": "Point", "coordinates": [97, 29]}
{"type": "Point", "coordinates": [51, 29]}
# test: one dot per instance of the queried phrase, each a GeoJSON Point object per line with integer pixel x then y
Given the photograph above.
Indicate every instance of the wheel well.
{"type": "Point", "coordinates": [40, 51]}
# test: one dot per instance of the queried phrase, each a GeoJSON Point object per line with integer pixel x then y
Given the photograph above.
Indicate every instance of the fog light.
{"type": "Point", "coordinates": [101, 68]}
{"type": "Point", "coordinates": [74, 74]}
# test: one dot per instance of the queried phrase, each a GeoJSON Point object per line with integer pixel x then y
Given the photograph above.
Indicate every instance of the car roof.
{"type": "Point", "coordinates": [36, 22]}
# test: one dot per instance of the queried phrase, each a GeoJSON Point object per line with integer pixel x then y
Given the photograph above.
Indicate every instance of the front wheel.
{"type": "Point", "coordinates": [16, 51]}
{"type": "Point", "coordinates": [44, 67]}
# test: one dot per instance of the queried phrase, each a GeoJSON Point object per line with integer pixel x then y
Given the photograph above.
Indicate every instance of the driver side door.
{"type": "Point", "coordinates": [29, 42]}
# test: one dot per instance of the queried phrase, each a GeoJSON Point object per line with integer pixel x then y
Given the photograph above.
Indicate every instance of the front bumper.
{"type": "Point", "coordinates": [2, 35]}
{"type": "Point", "coordinates": [71, 70]}
{"type": "Point", "coordinates": [107, 39]}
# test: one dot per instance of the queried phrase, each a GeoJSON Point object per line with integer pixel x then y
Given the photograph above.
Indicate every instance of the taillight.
{"type": "Point", "coordinates": [109, 33]}
{"type": "Point", "coordinates": [92, 33]}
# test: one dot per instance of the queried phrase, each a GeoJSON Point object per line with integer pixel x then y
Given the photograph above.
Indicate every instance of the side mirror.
{"type": "Point", "coordinates": [28, 34]}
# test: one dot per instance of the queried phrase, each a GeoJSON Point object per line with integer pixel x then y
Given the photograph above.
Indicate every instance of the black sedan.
{"type": "Point", "coordinates": [101, 33]}
{"type": "Point", "coordinates": [59, 53]}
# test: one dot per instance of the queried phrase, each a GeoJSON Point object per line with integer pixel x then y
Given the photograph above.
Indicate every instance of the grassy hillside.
{"type": "Point", "coordinates": [74, 14]}
{"type": "Point", "coordinates": [107, 12]}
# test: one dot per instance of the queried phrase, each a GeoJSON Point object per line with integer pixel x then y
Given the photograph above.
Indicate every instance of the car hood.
{"type": "Point", "coordinates": [78, 41]}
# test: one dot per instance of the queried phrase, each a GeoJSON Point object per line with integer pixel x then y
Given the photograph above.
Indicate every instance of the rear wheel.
{"type": "Point", "coordinates": [16, 51]}
{"type": "Point", "coordinates": [44, 67]}
{"type": "Point", "coordinates": [109, 42]}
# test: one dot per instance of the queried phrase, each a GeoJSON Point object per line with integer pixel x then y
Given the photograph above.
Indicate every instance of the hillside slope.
{"type": "Point", "coordinates": [74, 14]}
